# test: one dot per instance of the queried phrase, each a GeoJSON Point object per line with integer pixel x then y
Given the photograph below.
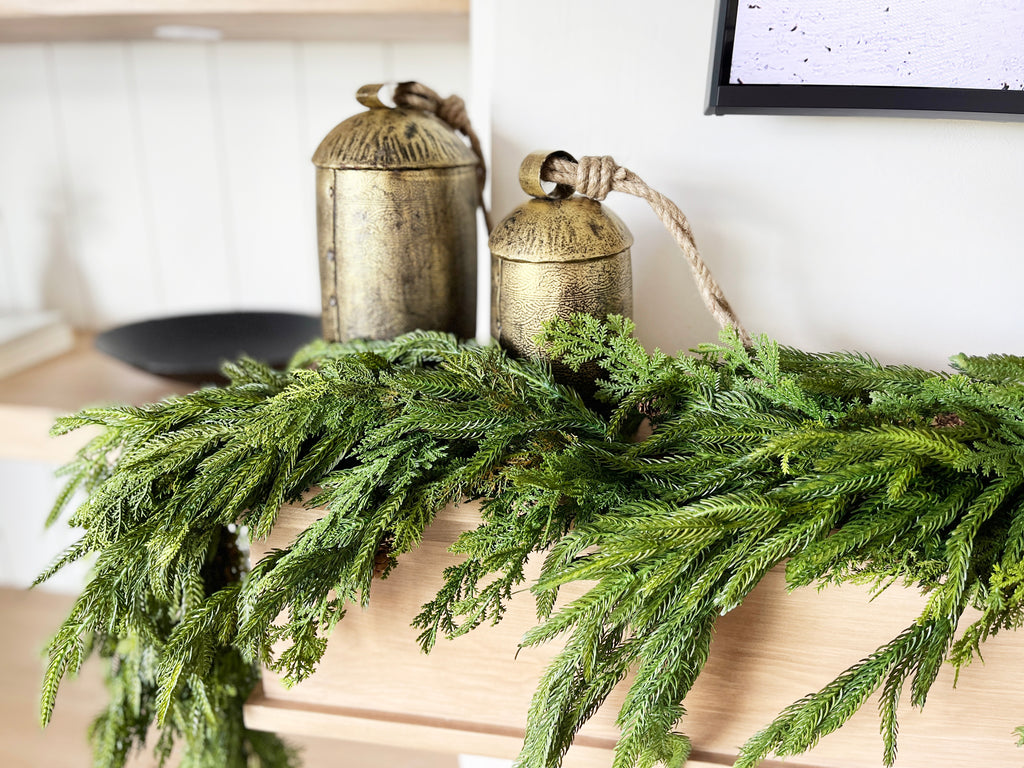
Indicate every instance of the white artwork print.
{"type": "Point", "coordinates": [928, 43]}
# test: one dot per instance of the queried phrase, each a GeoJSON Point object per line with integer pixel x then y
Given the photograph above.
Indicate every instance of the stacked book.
{"type": "Point", "coordinates": [30, 338]}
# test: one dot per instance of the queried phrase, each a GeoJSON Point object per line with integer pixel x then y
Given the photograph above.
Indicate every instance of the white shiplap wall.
{"type": "Point", "coordinates": [142, 179]}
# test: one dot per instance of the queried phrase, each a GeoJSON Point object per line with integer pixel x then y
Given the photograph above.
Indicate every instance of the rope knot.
{"type": "Point", "coordinates": [595, 176]}
{"type": "Point", "coordinates": [453, 111]}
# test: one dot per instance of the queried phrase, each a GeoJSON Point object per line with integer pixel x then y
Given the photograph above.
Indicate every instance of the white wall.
{"type": "Point", "coordinates": [141, 179]}
{"type": "Point", "coordinates": [897, 237]}
{"type": "Point", "coordinates": [27, 491]}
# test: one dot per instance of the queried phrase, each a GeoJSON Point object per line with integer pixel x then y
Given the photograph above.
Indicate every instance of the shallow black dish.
{"type": "Point", "coordinates": [193, 347]}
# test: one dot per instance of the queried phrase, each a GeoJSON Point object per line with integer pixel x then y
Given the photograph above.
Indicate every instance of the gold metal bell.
{"type": "Point", "coordinates": [555, 254]}
{"type": "Point", "coordinates": [396, 224]}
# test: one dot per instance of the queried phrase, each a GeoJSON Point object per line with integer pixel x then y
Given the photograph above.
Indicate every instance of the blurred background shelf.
{"type": "Point", "coordinates": [31, 399]}
{"type": "Point", "coordinates": [51, 20]}
{"type": "Point", "coordinates": [30, 618]}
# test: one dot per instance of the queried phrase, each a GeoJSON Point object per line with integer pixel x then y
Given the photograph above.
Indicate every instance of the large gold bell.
{"type": "Point", "coordinates": [554, 255]}
{"type": "Point", "coordinates": [396, 204]}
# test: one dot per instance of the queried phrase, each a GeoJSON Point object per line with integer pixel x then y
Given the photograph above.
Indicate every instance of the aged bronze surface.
{"type": "Point", "coordinates": [554, 255]}
{"type": "Point", "coordinates": [396, 224]}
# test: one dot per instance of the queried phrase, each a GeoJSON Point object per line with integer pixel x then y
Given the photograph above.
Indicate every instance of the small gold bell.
{"type": "Point", "coordinates": [555, 254]}
{"type": "Point", "coordinates": [396, 224]}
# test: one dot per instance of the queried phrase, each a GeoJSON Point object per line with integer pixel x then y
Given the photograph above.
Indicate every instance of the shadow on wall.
{"type": "Point", "coordinates": [62, 283]}
{"type": "Point", "coordinates": [9, 300]}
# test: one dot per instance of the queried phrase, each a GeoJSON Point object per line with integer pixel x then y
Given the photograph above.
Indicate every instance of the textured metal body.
{"type": "Point", "coordinates": [396, 225]}
{"type": "Point", "coordinates": [554, 256]}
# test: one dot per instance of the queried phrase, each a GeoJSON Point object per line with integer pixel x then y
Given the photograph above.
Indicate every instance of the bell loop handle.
{"type": "Point", "coordinates": [377, 95]}
{"type": "Point", "coordinates": [531, 171]}
{"type": "Point", "coordinates": [595, 177]}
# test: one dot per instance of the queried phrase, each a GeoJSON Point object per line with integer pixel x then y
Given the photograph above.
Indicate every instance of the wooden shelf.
{"type": "Point", "coordinates": [419, 20]}
{"type": "Point", "coordinates": [472, 694]}
{"type": "Point", "coordinates": [30, 619]}
{"type": "Point", "coordinates": [31, 399]}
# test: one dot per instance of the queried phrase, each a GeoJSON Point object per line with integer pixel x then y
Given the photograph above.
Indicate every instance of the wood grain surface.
{"type": "Point", "coordinates": [472, 694]}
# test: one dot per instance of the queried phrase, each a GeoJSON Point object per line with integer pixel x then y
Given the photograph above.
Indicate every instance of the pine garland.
{"type": "Point", "coordinates": [850, 470]}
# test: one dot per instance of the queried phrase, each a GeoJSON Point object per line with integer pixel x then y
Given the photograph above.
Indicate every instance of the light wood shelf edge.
{"type": "Point", "coordinates": [264, 713]}
{"type": "Point", "coordinates": [32, 399]}
{"type": "Point", "coordinates": [388, 20]}
{"type": "Point", "coordinates": [29, 8]}
{"type": "Point", "coordinates": [773, 649]}
{"type": "Point", "coordinates": [25, 435]}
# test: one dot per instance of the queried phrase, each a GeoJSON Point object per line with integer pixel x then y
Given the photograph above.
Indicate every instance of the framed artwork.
{"type": "Point", "coordinates": [942, 57]}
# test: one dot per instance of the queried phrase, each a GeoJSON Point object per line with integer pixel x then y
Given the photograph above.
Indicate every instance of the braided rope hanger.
{"type": "Point", "coordinates": [592, 177]}
{"type": "Point", "coordinates": [451, 110]}
{"type": "Point", "coordinates": [595, 177]}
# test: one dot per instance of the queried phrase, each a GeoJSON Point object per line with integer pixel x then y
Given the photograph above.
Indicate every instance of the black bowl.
{"type": "Point", "coordinates": [192, 348]}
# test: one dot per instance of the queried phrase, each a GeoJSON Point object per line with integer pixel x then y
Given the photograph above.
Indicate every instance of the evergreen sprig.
{"type": "Point", "coordinates": [845, 469]}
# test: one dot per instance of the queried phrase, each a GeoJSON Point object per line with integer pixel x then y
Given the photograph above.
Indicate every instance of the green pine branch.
{"type": "Point", "coordinates": [845, 469]}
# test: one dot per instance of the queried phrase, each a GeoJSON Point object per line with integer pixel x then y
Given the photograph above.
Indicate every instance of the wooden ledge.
{"type": "Point", "coordinates": [471, 695]}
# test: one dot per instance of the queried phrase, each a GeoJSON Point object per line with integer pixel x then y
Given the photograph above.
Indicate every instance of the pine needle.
{"type": "Point", "coordinates": [851, 470]}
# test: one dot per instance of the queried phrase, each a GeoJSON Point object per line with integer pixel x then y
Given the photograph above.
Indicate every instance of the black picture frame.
{"type": "Point", "coordinates": [725, 98]}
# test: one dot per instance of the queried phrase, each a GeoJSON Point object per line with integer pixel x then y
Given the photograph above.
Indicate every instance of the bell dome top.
{"type": "Point", "coordinates": [550, 230]}
{"type": "Point", "coordinates": [391, 138]}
